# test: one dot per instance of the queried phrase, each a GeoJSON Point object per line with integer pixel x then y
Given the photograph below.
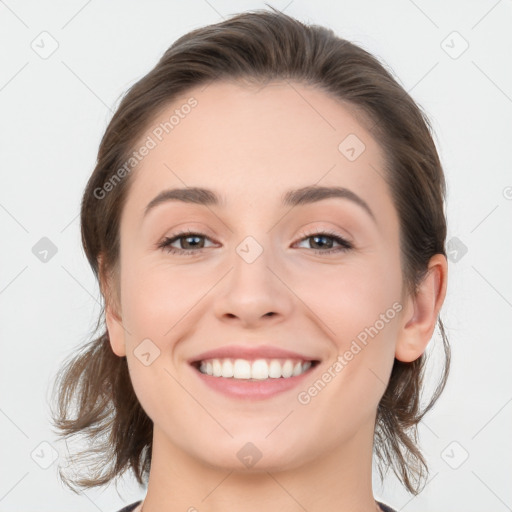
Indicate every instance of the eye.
{"type": "Point", "coordinates": [320, 239]}
{"type": "Point", "coordinates": [189, 241]}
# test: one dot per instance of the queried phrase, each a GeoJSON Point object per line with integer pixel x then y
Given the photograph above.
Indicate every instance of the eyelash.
{"type": "Point", "coordinates": [167, 241]}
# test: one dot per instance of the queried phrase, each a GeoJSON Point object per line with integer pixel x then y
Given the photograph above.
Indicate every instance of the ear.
{"type": "Point", "coordinates": [421, 312]}
{"type": "Point", "coordinates": [112, 310]}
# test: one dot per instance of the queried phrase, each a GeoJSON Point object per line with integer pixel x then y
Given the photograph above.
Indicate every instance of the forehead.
{"type": "Point", "coordinates": [251, 143]}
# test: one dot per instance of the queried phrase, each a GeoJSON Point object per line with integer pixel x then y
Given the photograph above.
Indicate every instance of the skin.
{"type": "Point", "coordinates": [251, 144]}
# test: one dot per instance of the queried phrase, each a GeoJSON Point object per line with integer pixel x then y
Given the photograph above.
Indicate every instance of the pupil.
{"type": "Point", "coordinates": [189, 238]}
{"type": "Point", "coordinates": [322, 237]}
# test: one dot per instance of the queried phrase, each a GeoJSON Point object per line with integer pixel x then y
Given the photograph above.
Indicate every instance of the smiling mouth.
{"type": "Point", "coordinates": [254, 370]}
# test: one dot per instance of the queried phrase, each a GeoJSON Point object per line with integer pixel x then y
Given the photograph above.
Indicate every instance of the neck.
{"type": "Point", "coordinates": [340, 480]}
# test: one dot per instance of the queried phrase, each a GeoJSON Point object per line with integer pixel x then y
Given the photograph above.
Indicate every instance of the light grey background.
{"type": "Point", "coordinates": [54, 111]}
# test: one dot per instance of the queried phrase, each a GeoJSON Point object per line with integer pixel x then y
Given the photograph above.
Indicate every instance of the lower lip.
{"type": "Point", "coordinates": [252, 389]}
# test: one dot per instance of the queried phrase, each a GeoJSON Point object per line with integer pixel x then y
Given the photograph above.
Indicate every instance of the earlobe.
{"type": "Point", "coordinates": [420, 316]}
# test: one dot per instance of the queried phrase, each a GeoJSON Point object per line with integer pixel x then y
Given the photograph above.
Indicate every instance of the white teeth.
{"type": "Point", "coordinates": [227, 368]}
{"type": "Point", "coordinates": [287, 368]}
{"type": "Point", "coordinates": [242, 369]}
{"type": "Point", "coordinates": [274, 369]}
{"type": "Point", "coordinates": [216, 368]}
{"type": "Point", "coordinates": [259, 369]}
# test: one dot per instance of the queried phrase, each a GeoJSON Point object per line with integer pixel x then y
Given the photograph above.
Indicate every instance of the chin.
{"type": "Point", "coordinates": [247, 456]}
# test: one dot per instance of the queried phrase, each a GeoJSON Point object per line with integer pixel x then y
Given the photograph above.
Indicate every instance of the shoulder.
{"type": "Point", "coordinates": [385, 508]}
{"type": "Point", "coordinates": [130, 508]}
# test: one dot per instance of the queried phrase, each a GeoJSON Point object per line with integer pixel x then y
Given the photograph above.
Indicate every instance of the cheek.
{"type": "Point", "coordinates": [155, 296]}
{"type": "Point", "coordinates": [349, 298]}
{"type": "Point", "coordinates": [156, 299]}
{"type": "Point", "coordinates": [359, 309]}
{"type": "Point", "coordinates": [365, 333]}
{"type": "Point", "coordinates": [365, 328]}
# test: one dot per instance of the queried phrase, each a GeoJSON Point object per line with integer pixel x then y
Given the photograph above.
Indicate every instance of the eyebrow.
{"type": "Point", "coordinates": [294, 197]}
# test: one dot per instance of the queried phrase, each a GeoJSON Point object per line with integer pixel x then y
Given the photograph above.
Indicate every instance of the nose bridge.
{"type": "Point", "coordinates": [252, 289]}
{"type": "Point", "coordinates": [253, 259]}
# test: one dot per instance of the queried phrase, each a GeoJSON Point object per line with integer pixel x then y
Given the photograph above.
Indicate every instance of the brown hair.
{"type": "Point", "coordinates": [254, 46]}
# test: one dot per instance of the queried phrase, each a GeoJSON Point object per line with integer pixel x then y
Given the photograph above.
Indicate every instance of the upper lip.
{"type": "Point", "coordinates": [250, 352]}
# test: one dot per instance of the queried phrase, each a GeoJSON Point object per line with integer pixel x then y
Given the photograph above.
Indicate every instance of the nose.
{"type": "Point", "coordinates": [253, 293]}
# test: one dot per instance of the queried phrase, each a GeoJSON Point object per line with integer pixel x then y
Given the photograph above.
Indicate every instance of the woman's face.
{"type": "Point", "coordinates": [258, 275]}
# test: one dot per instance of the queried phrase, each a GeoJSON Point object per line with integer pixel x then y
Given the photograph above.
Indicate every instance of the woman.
{"type": "Point", "coordinates": [266, 223]}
